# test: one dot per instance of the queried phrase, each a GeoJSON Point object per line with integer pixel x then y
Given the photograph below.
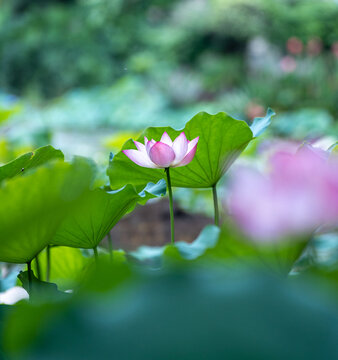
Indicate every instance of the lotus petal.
{"type": "Point", "coordinates": [140, 147]}
{"type": "Point", "coordinates": [162, 154]}
{"type": "Point", "coordinates": [139, 158]}
{"type": "Point", "coordinates": [166, 139]}
{"type": "Point", "coordinates": [190, 155]}
{"type": "Point", "coordinates": [180, 147]}
{"type": "Point", "coordinates": [192, 143]}
{"type": "Point", "coordinates": [149, 145]}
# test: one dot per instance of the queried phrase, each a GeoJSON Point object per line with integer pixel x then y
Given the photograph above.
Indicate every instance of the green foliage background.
{"type": "Point", "coordinates": [51, 47]}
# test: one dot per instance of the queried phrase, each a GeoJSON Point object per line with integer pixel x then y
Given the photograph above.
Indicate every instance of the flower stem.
{"type": "Point", "coordinates": [48, 263]}
{"type": "Point", "coordinates": [110, 246]}
{"type": "Point", "coordinates": [216, 212]}
{"type": "Point", "coordinates": [172, 227]}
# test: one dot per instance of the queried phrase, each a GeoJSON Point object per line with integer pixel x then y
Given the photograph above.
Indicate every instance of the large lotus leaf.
{"type": "Point", "coordinates": [222, 139]}
{"type": "Point", "coordinates": [33, 206]}
{"type": "Point", "coordinates": [99, 211]}
{"type": "Point", "coordinates": [29, 161]}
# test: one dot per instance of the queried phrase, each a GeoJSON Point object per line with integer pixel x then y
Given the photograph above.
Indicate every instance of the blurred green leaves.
{"type": "Point", "coordinates": [304, 123]}
{"type": "Point", "coordinates": [247, 315]}
{"type": "Point", "coordinates": [260, 124]}
{"type": "Point", "coordinates": [67, 266]}
{"type": "Point", "coordinates": [8, 111]}
{"type": "Point", "coordinates": [33, 206]}
{"type": "Point", "coordinates": [29, 161]}
{"type": "Point", "coordinates": [53, 203]}
{"type": "Point", "coordinates": [221, 141]}
{"type": "Point", "coordinates": [228, 247]}
{"type": "Point", "coordinates": [234, 249]}
{"type": "Point", "coordinates": [156, 256]}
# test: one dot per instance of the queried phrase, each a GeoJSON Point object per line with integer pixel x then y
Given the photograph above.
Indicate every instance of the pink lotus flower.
{"type": "Point", "coordinates": [294, 45]}
{"type": "Point", "coordinates": [299, 194]}
{"type": "Point", "coordinates": [164, 153]}
{"type": "Point", "coordinates": [288, 64]}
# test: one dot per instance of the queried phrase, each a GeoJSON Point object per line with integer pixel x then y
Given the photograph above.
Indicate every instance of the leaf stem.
{"type": "Point", "coordinates": [96, 255]}
{"type": "Point", "coordinates": [110, 246]}
{"type": "Point", "coordinates": [171, 206]}
{"type": "Point", "coordinates": [48, 263]}
{"type": "Point", "coordinates": [216, 211]}
{"type": "Point", "coordinates": [37, 263]}
{"type": "Point", "coordinates": [29, 269]}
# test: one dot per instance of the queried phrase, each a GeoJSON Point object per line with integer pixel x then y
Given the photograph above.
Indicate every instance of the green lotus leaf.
{"type": "Point", "coordinates": [98, 213]}
{"type": "Point", "coordinates": [29, 161]}
{"type": "Point", "coordinates": [33, 207]}
{"type": "Point", "coordinates": [221, 141]}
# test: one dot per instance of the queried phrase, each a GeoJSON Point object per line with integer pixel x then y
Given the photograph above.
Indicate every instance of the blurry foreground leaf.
{"type": "Point", "coordinates": [33, 206]}
{"type": "Point", "coordinates": [244, 315]}
{"type": "Point", "coordinates": [279, 256]}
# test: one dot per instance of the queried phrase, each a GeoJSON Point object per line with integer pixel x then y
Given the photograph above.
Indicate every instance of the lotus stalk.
{"type": "Point", "coordinates": [164, 154]}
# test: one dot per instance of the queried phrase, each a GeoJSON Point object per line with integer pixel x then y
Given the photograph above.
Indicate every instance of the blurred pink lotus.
{"type": "Point", "coordinates": [294, 45]}
{"type": "Point", "coordinates": [254, 110]}
{"type": "Point", "coordinates": [288, 64]}
{"type": "Point", "coordinates": [299, 194]}
{"type": "Point", "coordinates": [164, 153]}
